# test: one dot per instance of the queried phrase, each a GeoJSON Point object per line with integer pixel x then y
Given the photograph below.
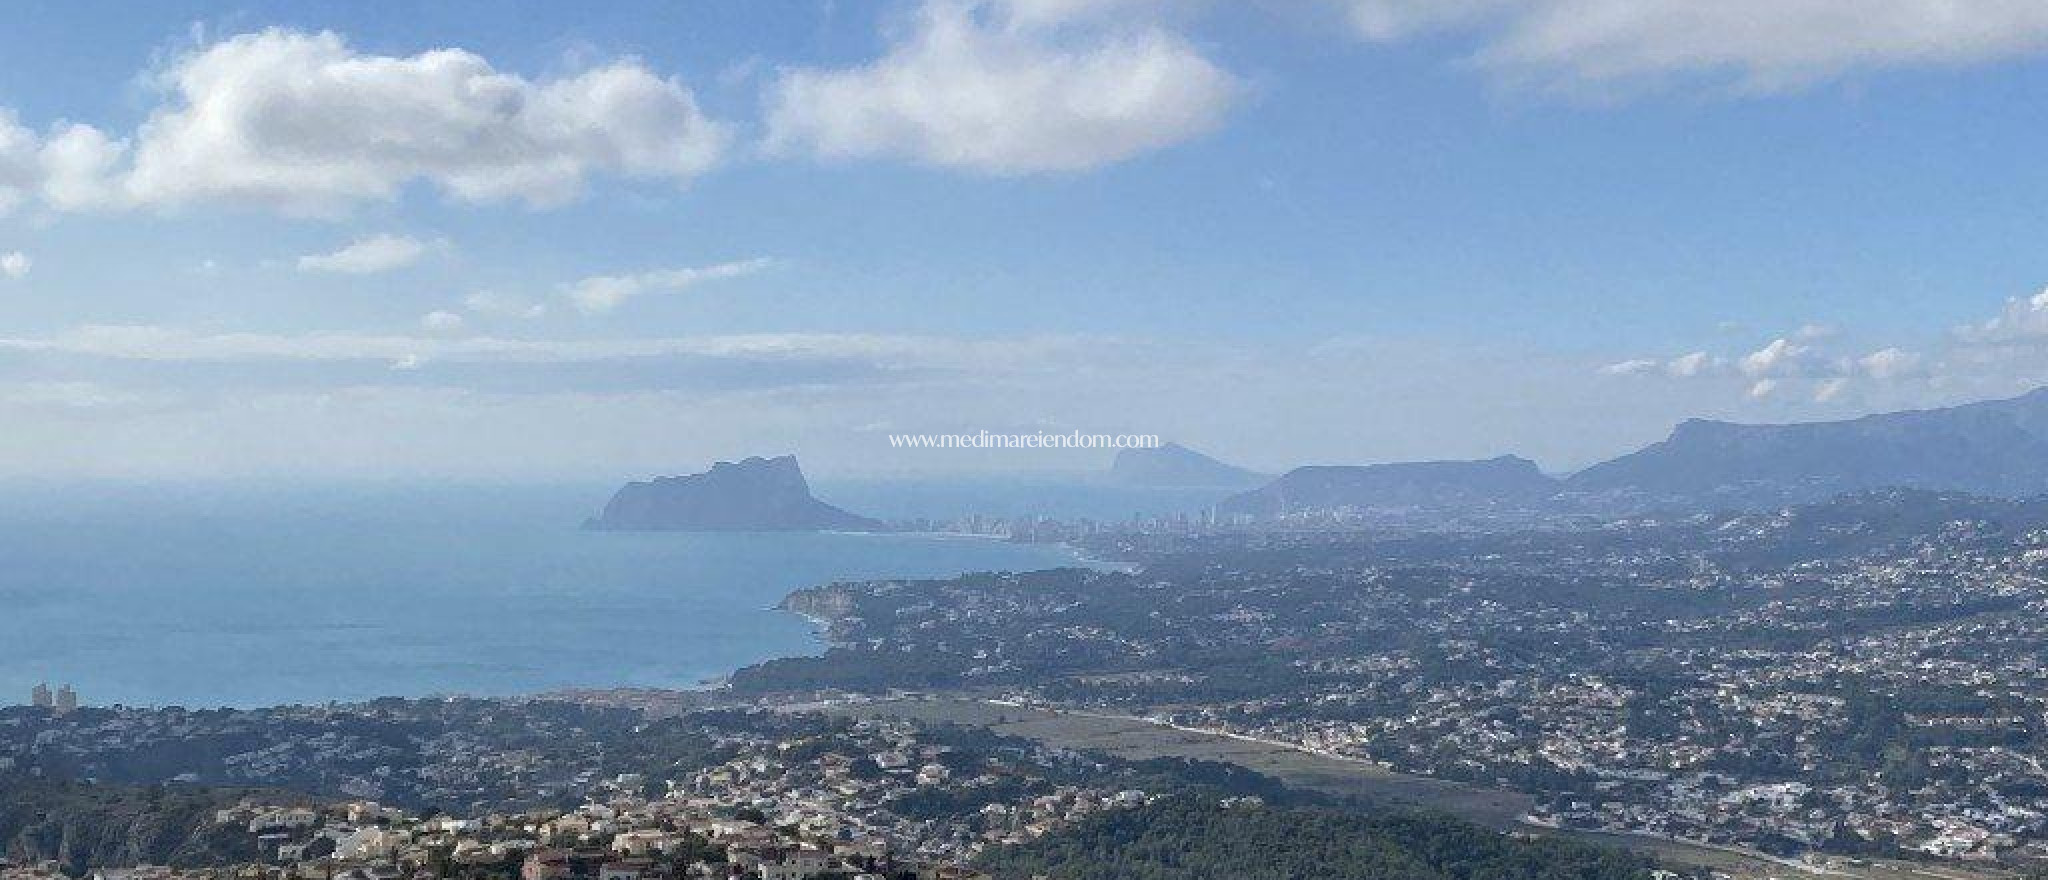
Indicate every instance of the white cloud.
{"type": "Point", "coordinates": [2002, 355]}
{"type": "Point", "coordinates": [2022, 319]}
{"type": "Point", "coordinates": [1689, 365]}
{"type": "Point", "coordinates": [15, 265]}
{"type": "Point", "coordinates": [1007, 89]}
{"type": "Point", "coordinates": [378, 253]}
{"type": "Point", "coordinates": [498, 305]}
{"type": "Point", "coordinates": [603, 293]}
{"type": "Point", "coordinates": [1633, 367]}
{"type": "Point", "coordinates": [441, 321]}
{"type": "Point", "coordinates": [304, 123]}
{"type": "Point", "coordinates": [1890, 363]}
{"type": "Point", "coordinates": [79, 169]}
{"type": "Point", "coordinates": [20, 173]}
{"type": "Point", "coordinates": [1782, 358]}
{"type": "Point", "coordinates": [1756, 45]}
{"type": "Point", "coordinates": [1685, 366]}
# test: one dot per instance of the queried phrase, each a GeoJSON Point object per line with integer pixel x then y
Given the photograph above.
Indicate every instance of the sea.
{"type": "Point", "coordinates": [257, 595]}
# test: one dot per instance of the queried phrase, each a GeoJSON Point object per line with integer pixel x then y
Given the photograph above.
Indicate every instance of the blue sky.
{"type": "Point", "coordinates": [531, 241]}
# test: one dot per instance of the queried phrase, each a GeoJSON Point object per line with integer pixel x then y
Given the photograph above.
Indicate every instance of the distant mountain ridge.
{"type": "Point", "coordinates": [1996, 448]}
{"type": "Point", "coordinates": [1173, 466]}
{"type": "Point", "coordinates": [1993, 448]}
{"type": "Point", "coordinates": [754, 495]}
{"type": "Point", "coordinates": [1504, 481]}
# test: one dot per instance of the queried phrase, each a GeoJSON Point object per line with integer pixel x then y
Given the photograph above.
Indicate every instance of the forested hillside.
{"type": "Point", "coordinates": [83, 826]}
{"type": "Point", "coordinates": [1190, 839]}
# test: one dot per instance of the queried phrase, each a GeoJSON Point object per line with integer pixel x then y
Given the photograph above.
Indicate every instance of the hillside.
{"type": "Point", "coordinates": [1507, 481]}
{"type": "Point", "coordinates": [83, 826]}
{"type": "Point", "coordinates": [1995, 448]}
{"type": "Point", "coordinates": [1185, 839]}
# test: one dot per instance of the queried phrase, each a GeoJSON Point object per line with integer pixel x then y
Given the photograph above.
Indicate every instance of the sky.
{"type": "Point", "coordinates": [538, 241]}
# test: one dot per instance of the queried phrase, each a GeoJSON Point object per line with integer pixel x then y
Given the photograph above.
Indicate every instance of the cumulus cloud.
{"type": "Point", "coordinates": [1890, 363]}
{"type": "Point", "coordinates": [79, 167]}
{"type": "Point", "coordinates": [1797, 363]}
{"type": "Point", "coordinates": [1758, 45]}
{"type": "Point", "coordinates": [1688, 365]}
{"type": "Point", "coordinates": [305, 123]}
{"type": "Point", "coordinates": [20, 170]}
{"type": "Point", "coordinates": [1783, 359]}
{"type": "Point", "coordinates": [1006, 88]}
{"type": "Point", "coordinates": [2022, 319]}
{"type": "Point", "coordinates": [602, 293]}
{"type": "Point", "coordinates": [15, 265]}
{"type": "Point", "coordinates": [378, 253]}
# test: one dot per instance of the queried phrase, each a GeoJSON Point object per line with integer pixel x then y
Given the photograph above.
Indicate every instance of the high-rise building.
{"type": "Point", "coordinates": [40, 697]}
{"type": "Point", "coordinates": [67, 699]}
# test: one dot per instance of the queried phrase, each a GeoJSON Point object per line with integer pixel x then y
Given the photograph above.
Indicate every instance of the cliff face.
{"type": "Point", "coordinates": [755, 495]}
{"type": "Point", "coordinates": [832, 606]}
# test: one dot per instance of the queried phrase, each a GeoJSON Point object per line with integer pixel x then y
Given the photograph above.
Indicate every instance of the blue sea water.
{"type": "Point", "coordinates": [247, 596]}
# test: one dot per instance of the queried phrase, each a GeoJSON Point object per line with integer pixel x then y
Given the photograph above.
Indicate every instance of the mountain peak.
{"type": "Point", "coordinates": [1173, 466]}
{"type": "Point", "coordinates": [1996, 447]}
{"type": "Point", "coordinates": [751, 495]}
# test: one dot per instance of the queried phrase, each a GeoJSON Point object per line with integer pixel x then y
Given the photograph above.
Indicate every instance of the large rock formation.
{"type": "Point", "coordinates": [755, 495]}
{"type": "Point", "coordinates": [1174, 466]}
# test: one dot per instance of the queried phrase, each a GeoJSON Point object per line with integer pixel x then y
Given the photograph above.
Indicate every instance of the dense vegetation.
{"type": "Point", "coordinates": [409, 753]}
{"type": "Point", "coordinates": [81, 825]}
{"type": "Point", "coordinates": [1190, 839]}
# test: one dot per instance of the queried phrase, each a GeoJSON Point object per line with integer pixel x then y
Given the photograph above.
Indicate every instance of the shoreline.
{"type": "Point", "coordinates": [741, 579]}
{"type": "Point", "coordinates": [822, 626]}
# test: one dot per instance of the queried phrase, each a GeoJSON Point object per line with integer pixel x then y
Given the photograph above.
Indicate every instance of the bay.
{"type": "Point", "coordinates": [208, 596]}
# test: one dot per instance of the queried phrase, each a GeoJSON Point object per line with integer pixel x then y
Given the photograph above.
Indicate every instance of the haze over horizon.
{"type": "Point", "coordinates": [325, 241]}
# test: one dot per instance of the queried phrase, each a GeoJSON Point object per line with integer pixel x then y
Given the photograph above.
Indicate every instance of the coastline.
{"type": "Point", "coordinates": [822, 626]}
{"type": "Point", "coordinates": [1072, 550]}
